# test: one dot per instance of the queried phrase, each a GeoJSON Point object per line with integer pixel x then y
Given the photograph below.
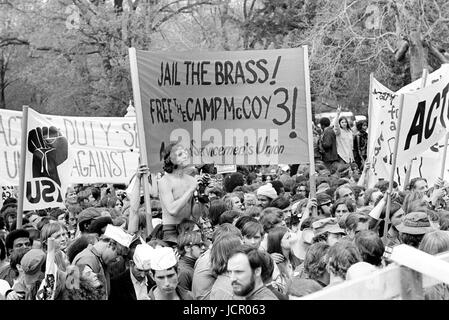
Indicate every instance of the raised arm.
{"type": "Point", "coordinates": [166, 196]}
{"type": "Point", "coordinates": [337, 128]}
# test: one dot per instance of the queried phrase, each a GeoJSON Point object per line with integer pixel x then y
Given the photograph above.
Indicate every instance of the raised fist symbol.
{"type": "Point", "coordinates": [49, 149]}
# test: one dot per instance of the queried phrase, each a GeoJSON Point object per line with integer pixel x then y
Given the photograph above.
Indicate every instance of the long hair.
{"type": "Point", "coordinates": [216, 209]}
{"type": "Point", "coordinates": [168, 165]}
{"type": "Point", "coordinates": [344, 118]}
{"type": "Point", "coordinates": [48, 230]}
{"type": "Point", "coordinates": [274, 239]}
{"type": "Point", "coordinates": [221, 251]}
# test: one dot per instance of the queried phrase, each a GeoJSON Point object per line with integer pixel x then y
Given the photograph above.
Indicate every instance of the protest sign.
{"type": "Point", "coordinates": [425, 121]}
{"type": "Point", "coordinates": [226, 168]}
{"type": "Point", "coordinates": [242, 107]}
{"type": "Point", "coordinates": [383, 115]}
{"type": "Point", "coordinates": [105, 148]}
{"type": "Point", "coordinates": [47, 160]}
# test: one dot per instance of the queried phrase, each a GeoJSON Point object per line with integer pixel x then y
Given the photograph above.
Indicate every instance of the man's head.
{"type": "Point", "coordinates": [164, 271]}
{"type": "Point", "coordinates": [354, 223]}
{"type": "Point", "coordinates": [176, 157]}
{"type": "Point", "coordinates": [418, 184]}
{"type": "Point", "coordinates": [324, 122]}
{"type": "Point", "coordinates": [190, 244]}
{"type": "Point", "coordinates": [266, 194]}
{"type": "Point", "coordinates": [245, 269]}
{"type": "Point", "coordinates": [341, 256]}
{"type": "Point", "coordinates": [315, 262]}
{"type": "Point", "coordinates": [370, 246]}
{"type": "Point", "coordinates": [413, 227]}
{"type": "Point", "coordinates": [17, 239]}
{"type": "Point", "coordinates": [345, 192]}
{"type": "Point", "coordinates": [86, 217]}
{"type": "Point", "coordinates": [114, 242]}
{"type": "Point", "coordinates": [33, 265]}
{"type": "Point", "coordinates": [140, 265]}
{"type": "Point", "coordinates": [324, 202]}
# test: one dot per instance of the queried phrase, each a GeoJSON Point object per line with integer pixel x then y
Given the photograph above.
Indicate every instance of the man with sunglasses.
{"type": "Point", "coordinates": [135, 282]}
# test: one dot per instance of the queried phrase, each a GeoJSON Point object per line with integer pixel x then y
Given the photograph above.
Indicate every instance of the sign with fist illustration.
{"type": "Point", "coordinates": [49, 149]}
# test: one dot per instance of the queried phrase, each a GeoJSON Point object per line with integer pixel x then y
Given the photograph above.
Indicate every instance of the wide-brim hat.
{"type": "Point", "coordinates": [415, 223]}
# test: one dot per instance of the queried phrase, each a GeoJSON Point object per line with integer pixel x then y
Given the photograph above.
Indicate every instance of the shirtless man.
{"type": "Point", "coordinates": [176, 189]}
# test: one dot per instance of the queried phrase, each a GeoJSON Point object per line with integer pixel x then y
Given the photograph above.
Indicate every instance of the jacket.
{"type": "Point", "coordinates": [329, 143]}
{"type": "Point", "coordinates": [122, 287]}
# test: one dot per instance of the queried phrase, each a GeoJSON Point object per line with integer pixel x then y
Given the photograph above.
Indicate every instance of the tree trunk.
{"type": "Point", "coordinates": [418, 56]}
{"type": "Point", "coordinates": [3, 69]}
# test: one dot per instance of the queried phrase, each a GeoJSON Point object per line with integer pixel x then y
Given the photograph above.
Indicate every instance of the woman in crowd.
{"type": "Point", "coordinates": [345, 140]}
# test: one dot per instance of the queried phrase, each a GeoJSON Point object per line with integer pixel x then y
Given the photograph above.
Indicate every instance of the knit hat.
{"type": "Point", "coordinates": [268, 191]}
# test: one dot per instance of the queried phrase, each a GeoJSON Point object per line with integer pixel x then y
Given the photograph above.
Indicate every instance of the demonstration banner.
{"type": "Point", "coordinates": [383, 116]}
{"type": "Point", "coordinates": [424, 119]}
{"type": "Point", "coordinates": [232, 108]}
{"type": "Point", "coordinates": [105, 149]}
{"type": "Point", "coordinates": [47, 164]}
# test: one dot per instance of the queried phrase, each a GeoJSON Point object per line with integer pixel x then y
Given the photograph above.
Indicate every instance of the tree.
{"type": "Point", "coordinates": [79, 49]}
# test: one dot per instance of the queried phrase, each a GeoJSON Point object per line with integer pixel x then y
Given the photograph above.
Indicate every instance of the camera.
{"type": "Point", "coordinates": [200, 192]}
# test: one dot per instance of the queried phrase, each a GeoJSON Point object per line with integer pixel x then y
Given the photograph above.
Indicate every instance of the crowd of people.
{"type": "Point", "coordinates": [254, 234]}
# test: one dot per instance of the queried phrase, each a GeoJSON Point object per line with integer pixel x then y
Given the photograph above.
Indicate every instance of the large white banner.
{"type": "Point", "coordinates": [424, 119]}
{"type": "Point", "coordinates": [383, 114]}
{"type": "Point", "coordinates": [105, 149]}
{"type": "Point", "coordinates": [47, 164]}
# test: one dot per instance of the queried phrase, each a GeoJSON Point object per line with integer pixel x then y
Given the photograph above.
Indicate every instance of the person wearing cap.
{"type": "Point", "coordinates": [134, 283]}
{"type": "Point", "coordinates": [190, 247]}
{"type": "Point", "coordinates": [324, 204]}
{"type": "Point", "coordinates": [31, 273]}
{"type": "Point", "coordinates": [165, 274]}
{"type": "Point", "coordinates": [328, 231]}
{"type": "Point", "coordinates": [85, 219]}
{"type": "Point", "coordinates": [98, 225]}
{"type": "Point", "coordinates": [244, 267]}
{"type": "Point", "coordinates": [266, 194]}
{"type": "Point", "coordinates": [101, 255]}
{"type": "Point", "coordinates": [413, 227]}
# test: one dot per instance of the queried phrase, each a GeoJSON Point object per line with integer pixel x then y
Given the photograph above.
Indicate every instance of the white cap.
{"type": "Point", "coordinates": [142, 256]}
{"type": "Point", "coordinates": [284, 167]}
{"type": "Point", "coordinates": [163, 258]}
{"type": "Point", "coordinates": [118, 234]}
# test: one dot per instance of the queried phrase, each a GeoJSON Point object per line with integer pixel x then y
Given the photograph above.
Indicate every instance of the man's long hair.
{"type": "Point", "coordinates": [169, 166]}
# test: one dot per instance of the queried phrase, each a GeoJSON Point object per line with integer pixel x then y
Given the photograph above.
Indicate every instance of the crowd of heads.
{"type": "Point", "coordinates": [259, 233]}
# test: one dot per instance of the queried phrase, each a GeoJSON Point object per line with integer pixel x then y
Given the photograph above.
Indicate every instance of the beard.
{"type": "Point", "coordinates": [245, 290]}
